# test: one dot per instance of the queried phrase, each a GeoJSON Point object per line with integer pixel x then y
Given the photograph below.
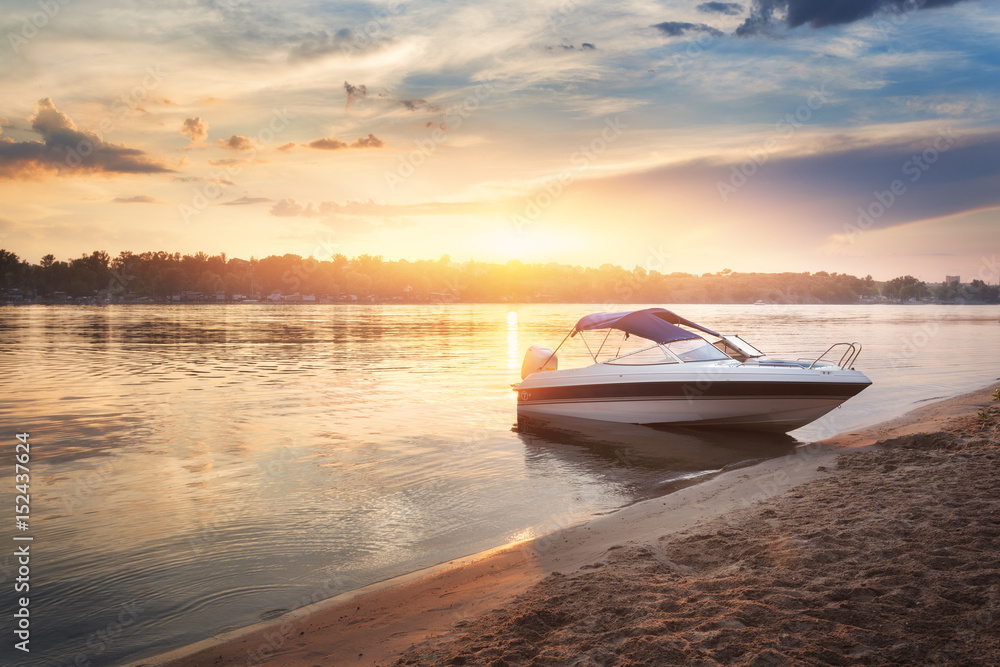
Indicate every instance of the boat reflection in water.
{"type": "Point", "coordinates": [643, 461]}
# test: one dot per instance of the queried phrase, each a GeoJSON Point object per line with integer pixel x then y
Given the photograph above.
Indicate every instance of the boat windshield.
{"type": "Point", "coordinates": [654, 354]}
{"type": "Point", "coordinates": [636, 351]}
{"type": "Point", "coordinates": [696, 349]}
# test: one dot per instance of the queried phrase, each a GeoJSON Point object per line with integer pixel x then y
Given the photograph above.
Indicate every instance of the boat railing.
{"type": "Point", "coordinates": [847, 359]}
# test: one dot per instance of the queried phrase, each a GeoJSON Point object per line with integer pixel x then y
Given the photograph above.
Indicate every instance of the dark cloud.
{"type": "Point", "coordinates": [237, 143]}
{"type": "Point", "coordinates": [334, 144]}
{"type": "Point", "coordinates": [195, 128]}
{"type": "Point", "coordinates": [586, 46]}
{"type": "Point", "coordinates": [413, 105]}
{"type": "Point", "coordinates": [822, 13]}
{"type": "Point", "coordinates": [678, 28]}
{"type": "Point", "coordinates": [135, 199]}
{"type": "Point", "coordinates": [933, 176]}
{"type": "Point", "coordinates": [354, 93]}
{"type": "Point", "coordinates": [65, 149]}
{"type": "Point", "coordinates": [728, 8]}
{"type": "Point", "coordinates": [420, 104]}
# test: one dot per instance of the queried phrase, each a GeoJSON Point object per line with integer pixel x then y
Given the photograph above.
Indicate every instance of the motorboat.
{"type": "Point", "coordinates": [655, 367]}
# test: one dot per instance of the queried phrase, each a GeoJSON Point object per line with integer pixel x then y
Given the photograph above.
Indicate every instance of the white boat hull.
{"type": "Point", "coordinates": [732, 413]}
{"type": "Point", "coordinates": [728, 394]}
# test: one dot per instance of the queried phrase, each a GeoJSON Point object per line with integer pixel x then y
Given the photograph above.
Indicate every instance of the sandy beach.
{"type": "Point", "coordinates": [876, 547]}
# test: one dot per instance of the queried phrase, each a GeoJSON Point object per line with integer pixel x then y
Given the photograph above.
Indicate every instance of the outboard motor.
{"type": "Point", "coordinates": [535, 357]}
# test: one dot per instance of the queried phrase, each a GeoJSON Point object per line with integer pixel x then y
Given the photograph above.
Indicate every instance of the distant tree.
{"type": "Point", "coordinates": [210, 283]}
{"type": "Point", "coordinates": [162, 274]}
{"type": "Point", "coordinates": [10, 268]}
{"type": "Point", "coordinates": [905, 288]}
{"type": "Point", "coordinates": [980, 292]}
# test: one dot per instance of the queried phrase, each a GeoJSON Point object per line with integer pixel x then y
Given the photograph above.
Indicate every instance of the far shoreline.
{"type": "Point", "coordinates": [473, 303]}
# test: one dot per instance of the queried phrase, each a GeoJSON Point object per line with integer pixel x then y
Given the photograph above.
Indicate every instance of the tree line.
{"type": "Point", "coordinates": [160, 275]}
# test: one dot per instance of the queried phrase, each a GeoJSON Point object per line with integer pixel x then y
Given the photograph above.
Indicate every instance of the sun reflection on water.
{"type": "Point", "coordinates": [513, 352]}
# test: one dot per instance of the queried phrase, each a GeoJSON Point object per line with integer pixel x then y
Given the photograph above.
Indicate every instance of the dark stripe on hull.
{"type": "Point", "coordinates": [692, 390]}
{"type": "Point", "coordinates": [770, 414]}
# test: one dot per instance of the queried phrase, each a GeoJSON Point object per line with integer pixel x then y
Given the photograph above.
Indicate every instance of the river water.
{"type": "Point", "coordinates": [200, 468]}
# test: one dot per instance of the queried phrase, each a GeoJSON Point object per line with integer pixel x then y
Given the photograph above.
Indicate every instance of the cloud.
{"type": "Point", "coordinates": [135, 199]}
{"type": "Point", "coordinates": [334, 144]}
{"type": "Point", "coordinates": [237, 143]}
{"type": "Point", "coordinates": [65, 149]}
{"type": "Point", "coordinates": [286, 208]}
{"type": "Point", "coordinates": [287, 147]}
{"type": "Point", "coordinates": [318, 44]}
{"type": "Point", "coordinates": [678, 28]}
{"type": "Point", "coordinates": [354, 93]}
{"type": "Point", "coordinates": [728, 8]}
{"type": "Point", "coordinates": [289, 207]}
{"type": "Point", "coordinates": [586, 46]}
{"type": "Point", "coordinates": [843, 184]}
{"type": "Point", "coordinates": [823, 13]}
{"type": "Point", "coordinates": [371, 141]}
{"type": "Point", "coordinates": [200, 179]}
{"type": "Point", "coordinates": [195, 128]}
{"type": "Point", "coordinates": [246, 201]}
{"type": "Point", "coordinates": [327, 144]}
{"type": "Point", "coordinates": [415, 104]}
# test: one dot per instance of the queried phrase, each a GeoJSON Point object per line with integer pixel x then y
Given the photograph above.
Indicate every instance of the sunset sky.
{"type": "Point", "coordinates": [770, 135]}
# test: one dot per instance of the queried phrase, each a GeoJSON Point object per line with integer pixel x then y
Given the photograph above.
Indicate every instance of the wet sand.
{"type": "Point", "coordinates": [879, 547]}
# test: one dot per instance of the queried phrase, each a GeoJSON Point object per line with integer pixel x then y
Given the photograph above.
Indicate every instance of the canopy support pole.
{"type": "Point", "coordinates": [587, 345]}
{"type": "Point", "coordinates": [557, 349]}
{"type": "Point", "coordinates": [602, 344]}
